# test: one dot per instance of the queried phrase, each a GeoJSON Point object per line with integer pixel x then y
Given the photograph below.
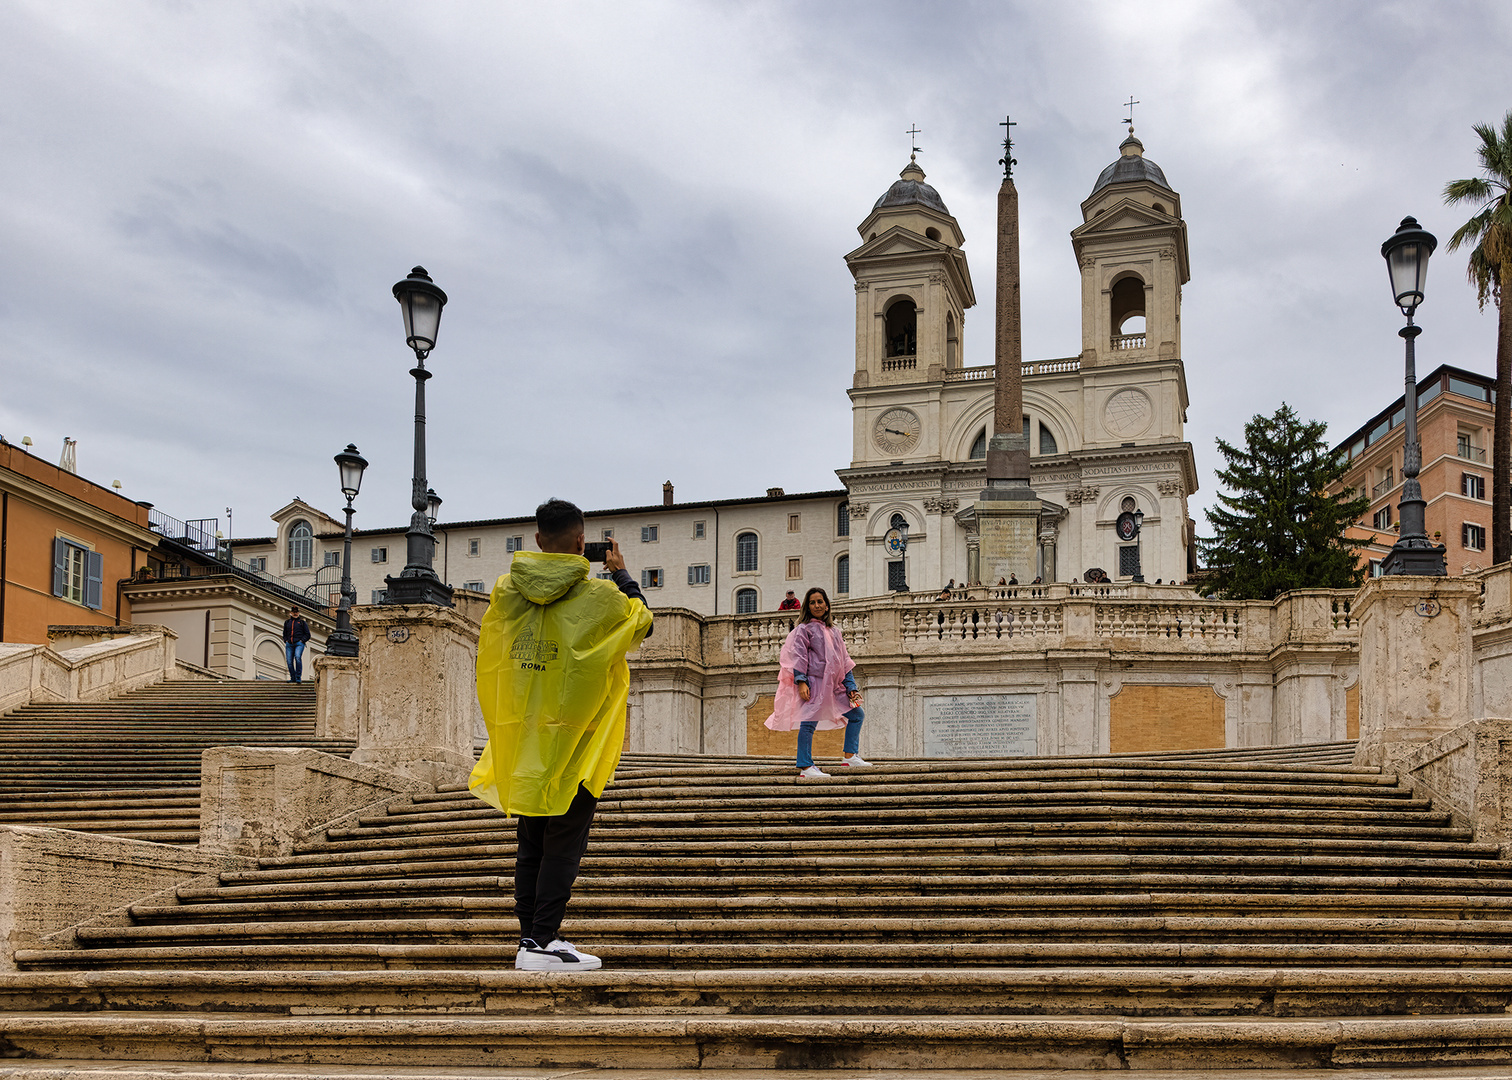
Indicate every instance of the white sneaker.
{"type": "Point", "coordinates": [558, 956]}
{"type": "Point", "coordinates": [855, 759]}
{"type": "Point", "coordinates": [813, 772]}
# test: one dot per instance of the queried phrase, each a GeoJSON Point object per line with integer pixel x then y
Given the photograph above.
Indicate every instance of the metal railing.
{"type": "Point", "coordinates": [1470, 453]}
{"type": "Point", "coordinates": [1383, 487]}
{"type": "Point", "coordinates": [199, 537]}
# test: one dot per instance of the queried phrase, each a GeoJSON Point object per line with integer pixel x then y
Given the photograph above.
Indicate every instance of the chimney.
{"type": "Point", "coordinates": [667, 493]}
{"type": "Point", "coordinates": [774, 493]}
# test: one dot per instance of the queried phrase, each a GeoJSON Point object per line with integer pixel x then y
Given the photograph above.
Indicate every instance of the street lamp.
{"type": "Point", "coordinates": [421, 301]}
{"type": "Point", "coordinates": [432, 506]}
{"type": "Point", "coordinates": [342, 641]}
{"type": "Point", "coordinates": [1406, 255]}
{"type": "Point", "coordinates": [1138, 547]}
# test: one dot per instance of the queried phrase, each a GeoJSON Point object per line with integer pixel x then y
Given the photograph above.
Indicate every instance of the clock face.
{"type": "Point", "coordinates": [896, 431]}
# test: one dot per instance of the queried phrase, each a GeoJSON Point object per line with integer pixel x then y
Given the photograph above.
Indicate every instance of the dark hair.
{"type": "Point", "coordinates": [558, 517]}
{"type": "Point", "coordinates": [806, 616]}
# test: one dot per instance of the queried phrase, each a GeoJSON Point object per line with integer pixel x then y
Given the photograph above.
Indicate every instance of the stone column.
{"type": "Point", "coordinates": [338, 696]}
{"type": "Point", "coordinates": [1416, 667]}
{"type": "Point", "coordinates": [418, 707]}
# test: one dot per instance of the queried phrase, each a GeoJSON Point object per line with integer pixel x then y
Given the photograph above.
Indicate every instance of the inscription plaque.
{"type": "Point", "coordinates": [980, 725]}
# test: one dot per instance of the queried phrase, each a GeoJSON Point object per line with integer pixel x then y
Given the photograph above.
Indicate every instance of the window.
{"type": "Point", "coordinates": [1472, 485]}
{"type": "Point", "coordinates": [332, 558]}
{"type": "Point", "coordinates": [1465, 446]}
{"type": "Point", "coordinates": [259, 564]}
{"type": "Point", "coordinates": [698, 574]}
{"type": "Point", "coordinates": [902, 324]}
{"type": "Point", "coordinates": [745, 601]}
{"type": "Point", "coordinates": [842, 575]}
{"type": "Point", "coordinates": [301, 545]}
{"type": "Point", "coordinates": [1047, 441]}
{"type": "Point", "coordinates": [649, 534]}
{"type": "Point", "coordinates": [608, 534]}
{"type": "Point", "coordinates": [651, 579]}
{"type": "Point", "coordinates": [793, 523]}
{"type": "Point", "coordinates": [795, 569]}
{"type": "Point", "coordinates": [842, 519]}
{"type": "Point", "coordinates": [895, 580]}
{"type": "Point", "coordinates": [1382, 519]}
{"type": "Point", "coordinates": [380, 596]}
{"type": "Point", "coordinates": [475, 586]}
{"type": "Point", "coordinates": [1375, 568]}
{"type": "Point", "coordinates": [1126, 504]}
{"type": "Point", "coordinates": [380, 554]}
{"type": "Point", "coordinates": [513, 544]}
{"type": "Point", "coordinates": [78, 573]}
{"type": "Point", "coordinates": [698, 530]}
{"type": "Point", "coordinates": [1473, 537]}
{"type": "Point", "coordinates": [1128, 560]}
{"type": "Point", "coordinates": [979, 447]}
{"type": "Point", "coordinates": [474, 544]}
{"type": "Point", "coordinates": [898, 521]}
{"type": "Point", "coordinates": [747, 549]}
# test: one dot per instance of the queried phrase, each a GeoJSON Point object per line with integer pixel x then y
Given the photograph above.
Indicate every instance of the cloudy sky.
{"type": "Point", "coordinates": [640, 212]}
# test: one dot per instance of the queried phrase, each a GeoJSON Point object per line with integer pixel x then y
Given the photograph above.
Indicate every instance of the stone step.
{"type": "Point", "coordinates": [819, 955]}
{"type": "Point", "coordinates": [629, 888]}
{"type": "Point", "coordinates": [662, 1040]}
{"type": "Point", "coordinates": [490, 897]}
{"type": "Point", "coordinates": [1148, 991]}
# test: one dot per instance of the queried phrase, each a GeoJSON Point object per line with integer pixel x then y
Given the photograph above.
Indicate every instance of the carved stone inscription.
{"type": "Point", "coordinates": [980, 725]}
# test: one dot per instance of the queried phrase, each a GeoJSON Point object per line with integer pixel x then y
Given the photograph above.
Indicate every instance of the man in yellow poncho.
{"type": "Point", "coordinates": [553, 682]}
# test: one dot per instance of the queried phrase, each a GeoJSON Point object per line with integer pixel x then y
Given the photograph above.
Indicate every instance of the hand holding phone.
{"type": "Point", "coordinates": [596, 550]}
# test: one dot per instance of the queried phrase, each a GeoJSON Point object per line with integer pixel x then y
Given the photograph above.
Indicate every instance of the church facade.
{"type": "Point", "coordinates": [1105, 425]}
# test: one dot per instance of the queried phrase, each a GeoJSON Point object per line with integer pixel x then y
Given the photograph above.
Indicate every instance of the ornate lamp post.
{"type": "Point", "coordinates": [1406, 255]}
{"type": "Point", "coordinates": [421, 302]}
{"type": "Point", "coordinates": [342, 641]}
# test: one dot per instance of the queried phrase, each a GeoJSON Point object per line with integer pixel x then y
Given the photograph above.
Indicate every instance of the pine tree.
{"type": "Point", "coordinates": [1277, 528]}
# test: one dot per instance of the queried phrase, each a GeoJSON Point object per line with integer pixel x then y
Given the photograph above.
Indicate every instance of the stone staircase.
{"type": "Point", "coordinates": [130, 766]}
{"type": "Point", "coordinates": [1272, 910]}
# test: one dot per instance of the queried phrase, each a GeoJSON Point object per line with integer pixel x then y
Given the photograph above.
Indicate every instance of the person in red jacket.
{"type": "Point", "coordinates": [790, 603]}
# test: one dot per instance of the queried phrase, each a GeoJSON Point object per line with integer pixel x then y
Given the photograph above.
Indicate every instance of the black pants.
{"type": "Point", "coordinates": [546, 864]}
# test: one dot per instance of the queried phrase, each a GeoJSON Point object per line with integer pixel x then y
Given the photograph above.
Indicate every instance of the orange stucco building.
{"type": "Point", "coordinates": [1454, 427]}
{"type": "Point", "coordinates": [66, 545]}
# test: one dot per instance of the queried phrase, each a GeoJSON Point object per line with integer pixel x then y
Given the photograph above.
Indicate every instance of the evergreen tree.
{"type": "Point", "coordinates": [1277, 528]}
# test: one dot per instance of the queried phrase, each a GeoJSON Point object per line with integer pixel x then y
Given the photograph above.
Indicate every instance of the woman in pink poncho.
{"type": "Point", "coordinates": [815, 688]}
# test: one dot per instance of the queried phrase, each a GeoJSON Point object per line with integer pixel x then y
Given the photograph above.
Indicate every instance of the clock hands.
{"type": "Point", "coordinates": [895, 431]}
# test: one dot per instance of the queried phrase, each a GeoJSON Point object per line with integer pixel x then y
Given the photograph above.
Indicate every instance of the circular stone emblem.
{"type": "Point", "coordinates": [1128, 413]}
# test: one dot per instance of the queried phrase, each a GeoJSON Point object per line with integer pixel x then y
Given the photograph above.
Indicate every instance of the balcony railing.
{"type": "Point", "coordinates": [900, 363]}
{"type": "Point", "coordinates": [1382, 488]}
{"type": "Point", "coordinates": [1471, 453]}
{"type": "Point", "coordinates": [1128, 341]}
{"type": "Point", "coordinates": [1038, 367]}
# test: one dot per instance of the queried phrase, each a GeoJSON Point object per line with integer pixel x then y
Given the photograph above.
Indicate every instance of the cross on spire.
{"type": "Point", "coordinates": [913, 137]}
{"type": "Point", "coordinates": [1008, 161]}
{"type": "Point", "coordinates": [1130, 118]}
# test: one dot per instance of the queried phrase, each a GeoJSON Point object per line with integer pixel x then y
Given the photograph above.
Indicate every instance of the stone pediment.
{"type": "Point", "coordinates": [898, 241]}
{"type": "Point", "coordinates": [1126, 214]}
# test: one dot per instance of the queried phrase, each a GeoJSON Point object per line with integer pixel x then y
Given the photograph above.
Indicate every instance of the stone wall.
{"type": "Point", "coordinates": [1166, 669]}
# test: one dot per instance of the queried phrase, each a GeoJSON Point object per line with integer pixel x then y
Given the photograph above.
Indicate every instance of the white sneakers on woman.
{"type": "Point", "coordinates": [855, 759]}
{"type": "Point", "coordinates": [813, 772]}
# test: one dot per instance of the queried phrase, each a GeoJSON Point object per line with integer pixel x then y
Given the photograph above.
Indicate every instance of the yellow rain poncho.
{"type": "Point", "coordinates": [553, 682]}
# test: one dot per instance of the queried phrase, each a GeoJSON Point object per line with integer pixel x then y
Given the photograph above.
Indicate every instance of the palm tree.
{"type": "Point", "coordinates": [1490, 271]}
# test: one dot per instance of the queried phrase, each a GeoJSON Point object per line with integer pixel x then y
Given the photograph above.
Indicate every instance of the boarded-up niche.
{"type": "Point", "coordinates": [1352, 712]}
{"type": "Point", "coordinates": [761, 739]}
{"type": "Point", "coordinates": [1144, 717]}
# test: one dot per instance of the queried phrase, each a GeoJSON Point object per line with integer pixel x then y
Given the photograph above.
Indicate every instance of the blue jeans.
{"type": "Point", "coordinates": [852, 736]}
{"type": "Point", "coordinates": [294, 654]}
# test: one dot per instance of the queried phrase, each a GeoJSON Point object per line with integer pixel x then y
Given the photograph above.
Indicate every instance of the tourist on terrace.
{"type": "Point", "coordinates": [815, 687]}
{"type": "Point", "coordinates": [789, 602]}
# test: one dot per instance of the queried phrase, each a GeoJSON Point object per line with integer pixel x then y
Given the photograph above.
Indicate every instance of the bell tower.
{"type": "Point", "coordinates": [912, 286]}
{"type": "Point", "coordinates": [1132, 249]}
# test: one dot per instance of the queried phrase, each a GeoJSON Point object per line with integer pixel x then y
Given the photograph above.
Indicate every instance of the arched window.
{"type": "Point", "coordinates": [747, 552]}
{"type": "Point", "coordinates": [902, 325]}
{"type": "Point", "coordinates": [952, 342]}
{"type": "Point", "coordinates": [898, 521]}
{"type": "Point", "coordinates": [301, 545]}
{"type": "Point", "coordinates": [842, 575]}
{"type": "Point", "coordinates": [979, 447]}
{"type": "Point", "coordinates": [1127, 505]}
{"type": "Point", "coordinates": [1047, 441]}
{"type": "Point", "coordinates": [745, 601]}
{"type": "Point", "coordinates": [842, 520]}
{"type": "Point", "coordinates": [1127, 301]}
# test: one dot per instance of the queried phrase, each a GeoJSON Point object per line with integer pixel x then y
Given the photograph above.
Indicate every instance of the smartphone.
{"type": "Point", "coordinates": [596, 550]}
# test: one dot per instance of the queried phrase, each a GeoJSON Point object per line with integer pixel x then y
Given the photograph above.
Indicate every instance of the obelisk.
{"type": "Point", "coordinates": [1008, 510]}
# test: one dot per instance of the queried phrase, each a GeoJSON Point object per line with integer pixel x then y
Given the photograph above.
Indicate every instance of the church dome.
{"type": "Point", "coordinates": [1130, 168]}
{"type": "Point", "coordinates": [910, 188]}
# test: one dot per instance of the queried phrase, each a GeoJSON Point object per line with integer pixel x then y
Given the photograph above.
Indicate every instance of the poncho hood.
{"type": "Point", "coordinates": [543, 577]}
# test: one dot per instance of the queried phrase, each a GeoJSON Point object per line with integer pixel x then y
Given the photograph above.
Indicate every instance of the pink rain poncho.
{"type": "Point", "coordinates": [819, 652]}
